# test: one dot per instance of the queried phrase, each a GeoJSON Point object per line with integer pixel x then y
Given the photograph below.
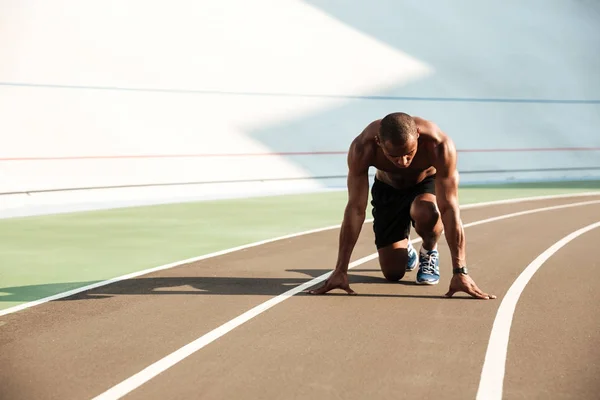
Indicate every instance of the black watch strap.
{"type": "Point", "coordinates": [461, 270]}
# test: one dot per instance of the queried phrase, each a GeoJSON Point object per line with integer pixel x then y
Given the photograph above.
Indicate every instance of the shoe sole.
{"type": "Point", "coordinates": [427, 282]}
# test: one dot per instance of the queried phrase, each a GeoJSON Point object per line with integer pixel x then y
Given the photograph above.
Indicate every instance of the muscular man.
{"type": "Point", "coordinates": [416, 184]}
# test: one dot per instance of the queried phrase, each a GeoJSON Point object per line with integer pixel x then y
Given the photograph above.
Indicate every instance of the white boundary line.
{"type": "Point", "coordinates": [492, 374]}
{"type": "Point", "coordinates": [525, 199]}
{"type": "Point", "coordinates": [246, 246]}
{"type": "Point", "coordinates": [135, 381]}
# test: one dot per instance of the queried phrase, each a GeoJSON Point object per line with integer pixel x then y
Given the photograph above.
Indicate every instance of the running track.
{"type": "Point", "coordinates": [393, 340]}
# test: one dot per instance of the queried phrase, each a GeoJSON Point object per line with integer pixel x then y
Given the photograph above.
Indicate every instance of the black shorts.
{"type": "Point", "coordinates": [391, 210]}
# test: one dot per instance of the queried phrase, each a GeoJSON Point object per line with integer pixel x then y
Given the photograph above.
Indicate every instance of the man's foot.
{"type": "Point", "coordinates": [429, 272]}
{"type": "Point", "coordinates": [413, 257]}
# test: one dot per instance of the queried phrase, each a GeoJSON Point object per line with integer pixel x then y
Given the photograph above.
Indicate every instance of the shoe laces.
{"type": "Point", "coordinates": [428, 262]}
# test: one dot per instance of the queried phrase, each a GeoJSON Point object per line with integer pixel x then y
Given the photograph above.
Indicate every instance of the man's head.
{"type": "Point", "coordinates": [398, 138]}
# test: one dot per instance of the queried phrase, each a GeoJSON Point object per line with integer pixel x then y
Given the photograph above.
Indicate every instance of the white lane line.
{"type": "Point", "coordinates": [167, 362]}
{"type": "Point", "coordinates": [492, 374]}
{"type": "Point", "coordinates": [135, 381]}
{"type": "Point", "coordinates": [534, 198]}
{"type": "Point", "coordinates": [533, 211]}
{"type": "Point", "coordinates": [132, 275]}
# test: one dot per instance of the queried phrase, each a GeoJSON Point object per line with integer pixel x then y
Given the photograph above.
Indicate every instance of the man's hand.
{"type": "Point", "coordinates": [464, 283]}
{"type": "Point", "coordinates": [337, 280]}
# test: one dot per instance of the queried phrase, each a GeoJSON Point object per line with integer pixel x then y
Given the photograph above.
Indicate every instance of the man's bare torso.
{"type": "Point", "coordinates": [420, 168]}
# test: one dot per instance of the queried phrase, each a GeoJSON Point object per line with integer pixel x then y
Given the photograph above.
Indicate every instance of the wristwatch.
{"type": "Point", "coordinates": [461, 270]}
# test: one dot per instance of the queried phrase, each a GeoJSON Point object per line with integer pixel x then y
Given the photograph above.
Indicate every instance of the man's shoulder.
{"type": "Point", "coordinates": [430, 132]}
{"type": "Point", "coordinates": [439, 144]}
{"type": "Point", "coordinates": [443, 154]}
{"type": "Point", "coordinates": [363, 147]}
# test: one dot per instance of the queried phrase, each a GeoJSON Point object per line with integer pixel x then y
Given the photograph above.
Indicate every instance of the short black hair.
{"type": "Point", "coordinates": [397, 128]}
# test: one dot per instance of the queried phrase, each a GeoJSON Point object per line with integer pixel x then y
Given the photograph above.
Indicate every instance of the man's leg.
{"type": "Point", "coordinates": [391, 214]}
{"type": "Point", "coordinates": [428, 224]}
{"type": "Point", "coordinates": [393, 260]}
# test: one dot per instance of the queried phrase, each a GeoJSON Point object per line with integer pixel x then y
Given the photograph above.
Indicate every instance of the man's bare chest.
{"type": "Point", "coordinates": [419, 169]}
{"type": "Point", "coordinates": [420, 162]}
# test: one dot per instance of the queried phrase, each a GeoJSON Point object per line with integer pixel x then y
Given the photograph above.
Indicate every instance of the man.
{"type": "Point", "coordinates": [416, 183]}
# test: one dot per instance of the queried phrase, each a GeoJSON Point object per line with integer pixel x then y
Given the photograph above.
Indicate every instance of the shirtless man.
{"type": "Point", "coordinates": [416, 183]}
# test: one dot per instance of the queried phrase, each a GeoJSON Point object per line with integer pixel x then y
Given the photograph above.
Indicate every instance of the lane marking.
{"type": "Point", "coordinates": [526, 199]}
{"type": "Point", "coordinates": [132, 275]}
{"type": "Point", "coordinates": [135, 381]}
{"type": "Point", "coordinates": [492, 374]}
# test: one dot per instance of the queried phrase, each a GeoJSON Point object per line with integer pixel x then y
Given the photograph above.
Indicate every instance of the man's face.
{"type": "Point", "coordinates": [400, 155]}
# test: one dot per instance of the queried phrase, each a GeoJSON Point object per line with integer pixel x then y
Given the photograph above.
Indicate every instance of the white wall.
{"type": "Point", "coordinates": [135, 78]}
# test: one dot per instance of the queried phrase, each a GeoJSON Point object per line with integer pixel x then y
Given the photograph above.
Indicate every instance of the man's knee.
{"type": "Point", "coordinates": [393, 273]}
{"type": "Point", "coordinates": [424, 212]}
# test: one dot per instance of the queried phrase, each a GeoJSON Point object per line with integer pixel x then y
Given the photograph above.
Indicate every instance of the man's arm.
{"type": "Point", "coordinates": [446, 192]}
{"type": "Point", "coordinates": [354, 217]}
{"type": "Point", "coordinates": [355, 212]}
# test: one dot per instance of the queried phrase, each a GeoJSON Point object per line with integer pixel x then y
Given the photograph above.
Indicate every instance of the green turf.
{"type": "Point", "coordinates": [44, 255]}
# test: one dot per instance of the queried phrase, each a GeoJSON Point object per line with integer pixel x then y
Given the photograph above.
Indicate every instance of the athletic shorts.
{"type": "Point", "coordinates": [391, 210]}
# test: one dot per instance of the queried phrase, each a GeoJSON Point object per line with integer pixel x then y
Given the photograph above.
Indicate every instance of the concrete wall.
{"type": "Point", "coordinates": [122, 93]}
